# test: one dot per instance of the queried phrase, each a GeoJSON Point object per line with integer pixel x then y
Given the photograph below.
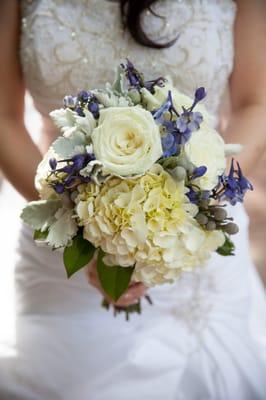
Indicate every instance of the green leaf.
{"type": "Point", "coordinates": [39, 235]}
{"type": "Point", "coordinates": [227, 249]}
{"type": "Point", "coordinates": [118, 85]}
{"type": "Point", "coordinates": [77, 255]}
{"type": "Point", "coordinates": [114, 279]}
{"type": "Point", "coordinates": [40, 214]}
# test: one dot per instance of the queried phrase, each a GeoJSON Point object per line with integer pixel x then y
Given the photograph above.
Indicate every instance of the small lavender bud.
{"type": "Point", "coordinates": [69, 101]}
{"type": "Point", "coordinates": [219, 214]}
{"type": "Point", "coordinates": [231, 228]}
{"type": "Point", "coordinates": [204, 204]}
{"type": "Point", "coordinates": [190, 168]}
{"type": "Point", "coordinates": [210, 226]}
{"type": "Point", "coordinates": [53, 163]}
{"type": "Point", "coordinates": [179, 173]}
{"type": "Point", "coordinates": [93, 107]}
{"type": "Point", "coordinates": [83, 95]}
{"type": "Point", "coordinates": [202, 219]}
{"type": "Point", "coordinates": [200, 94]}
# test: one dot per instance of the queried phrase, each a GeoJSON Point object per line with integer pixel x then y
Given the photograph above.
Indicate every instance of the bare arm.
{"type": "Point", "coordinates": [248, 82]}
{"type": "Point", "coordinates": [19, 156]}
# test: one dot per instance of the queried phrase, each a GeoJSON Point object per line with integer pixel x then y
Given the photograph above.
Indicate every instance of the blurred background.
{"type": "Point", "coordinates": [11, 204]}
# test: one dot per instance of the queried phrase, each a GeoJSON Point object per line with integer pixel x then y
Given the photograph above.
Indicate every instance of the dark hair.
{"type": "Point", "coordinates": [131, 11]}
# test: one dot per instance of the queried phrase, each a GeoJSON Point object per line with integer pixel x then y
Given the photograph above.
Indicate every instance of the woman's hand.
{"type": "Point", "coordinates": [131, 296]}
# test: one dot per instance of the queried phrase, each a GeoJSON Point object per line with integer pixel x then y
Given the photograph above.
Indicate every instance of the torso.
{"type": "Point", "coordinates": [66, 47]}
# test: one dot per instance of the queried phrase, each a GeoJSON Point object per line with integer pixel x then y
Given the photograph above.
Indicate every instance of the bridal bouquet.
{"type": "Point", "coordinates": [137, 180]}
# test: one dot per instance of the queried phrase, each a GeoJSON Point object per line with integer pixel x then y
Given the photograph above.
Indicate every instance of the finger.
{"type": "Point", "coordinates": [126, 301]}
{"type": "Point", "coordinates": [137, 290]}
{"type": "Point", "coordinates": [131, 296]}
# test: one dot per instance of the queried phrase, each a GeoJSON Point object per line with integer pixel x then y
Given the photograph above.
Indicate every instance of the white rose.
{"type": "Point", "coordinates": [127, 140]}
{"type": "Point", "coordinates": [206, 147]}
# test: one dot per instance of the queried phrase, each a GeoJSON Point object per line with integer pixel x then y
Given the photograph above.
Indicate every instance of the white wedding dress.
{"type": "Point", "coordinates": [205, 336]}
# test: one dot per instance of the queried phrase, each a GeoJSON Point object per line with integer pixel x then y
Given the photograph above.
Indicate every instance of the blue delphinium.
{"type": "Point", "coordinates": [179, 127]}
{"type": "Point", "coordinates": [234, 186]}
{"type": "Point", "coordinates": [71, 171]}
{"type": "Point", "coordinates": [136, 79]}
{"type": "Point", "coordinates": [84, 99]}
{"type": "Point", "coordinates": [196, 195]}
{"type": "Point", "coordinates": [188, 122]}
{"type": "Point", "coordinates": [170, 145]}
{"type": "Point", "coordinates": [193, 195]}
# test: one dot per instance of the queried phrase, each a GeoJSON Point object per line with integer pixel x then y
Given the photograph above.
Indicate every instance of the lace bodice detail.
{"type": "Point", "coordinates": [66, 47]}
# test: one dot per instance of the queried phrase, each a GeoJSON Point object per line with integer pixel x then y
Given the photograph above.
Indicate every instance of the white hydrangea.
{"type": "Point", "coordinates": [147, 222]}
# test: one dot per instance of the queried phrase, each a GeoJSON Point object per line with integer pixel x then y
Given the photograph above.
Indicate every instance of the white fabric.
{"type": "Point", "coordinates": [204, 338]}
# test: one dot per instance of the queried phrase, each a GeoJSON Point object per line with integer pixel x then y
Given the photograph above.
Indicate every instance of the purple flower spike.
{"type": "Point", "coordinates": [244, 184]}
{"type": "Point", "coordinates": [132, 74]}
{"type": "Point", "coordinates": [234, 186]}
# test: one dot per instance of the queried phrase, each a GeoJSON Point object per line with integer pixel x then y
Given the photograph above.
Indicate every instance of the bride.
{"type": "Point", "coordinates": [204, 338]}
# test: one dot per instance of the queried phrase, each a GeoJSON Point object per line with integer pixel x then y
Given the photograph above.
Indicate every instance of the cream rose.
{"type": "Point", "coordinates": [127, 140]}
{"type": "Point", "coordinates": [206, 147]}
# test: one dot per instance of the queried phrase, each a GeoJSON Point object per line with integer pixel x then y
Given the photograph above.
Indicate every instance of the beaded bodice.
{"type": "Point", "coordinates": [67, 46]}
